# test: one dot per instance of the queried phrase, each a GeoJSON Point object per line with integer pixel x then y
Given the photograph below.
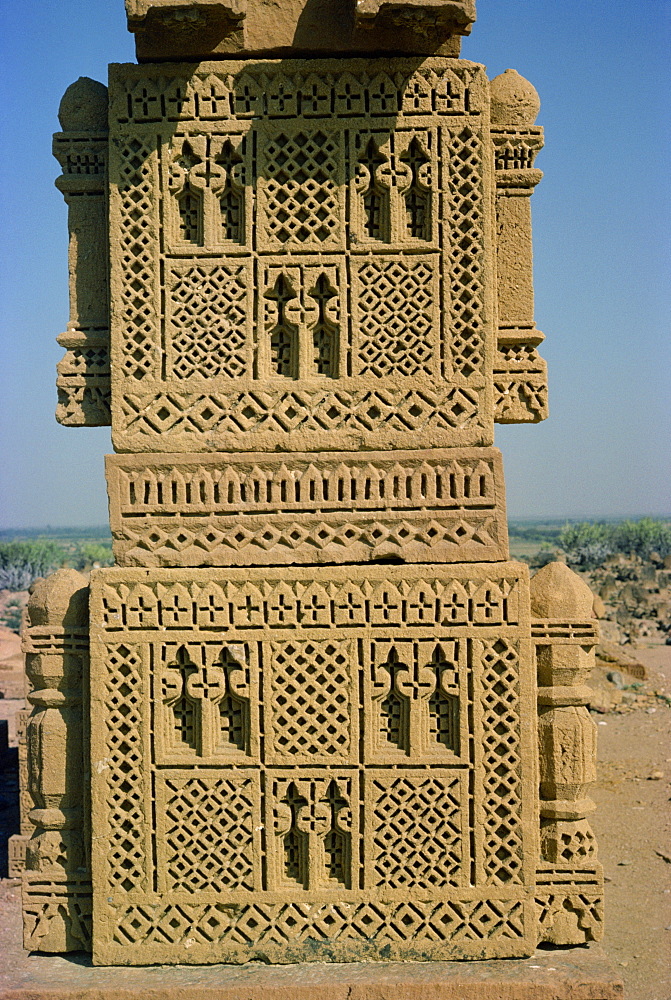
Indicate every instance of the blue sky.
{"type": "Point", "coordinates": [602, 237]}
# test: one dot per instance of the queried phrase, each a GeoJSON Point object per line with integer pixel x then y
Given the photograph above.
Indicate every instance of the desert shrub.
{"type": "Point", "coordinates": [588, 544]}
{"type": "Point", "coordinates": [642, 537]}
{"type": "Point", "coordinates": [12, 614]}
{"type": "Point", "coordinates": [23, 562]}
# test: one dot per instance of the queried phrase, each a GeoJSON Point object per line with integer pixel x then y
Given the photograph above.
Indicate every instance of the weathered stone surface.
{"type": "Point", "coordinates": [255, 509]}
{"type": "Point", "coordinates": [369, 845]}
{"type": "Point", "coordinates": [81, 149]}
{"type": "Point", "coordinates": [198, 29]}
{"type": "Point", "coordinates": [570, 906]}
{"type": "Point", "coordinates": [328, 743]}
{"type": "Point", "coordinates": [325, 285]}
{"type": "Point", "coordinates": [56, 879]}
{"type": "Point", "coordinates": [570, 974]}
{"type": "Point", "coordinates": [520, 374]}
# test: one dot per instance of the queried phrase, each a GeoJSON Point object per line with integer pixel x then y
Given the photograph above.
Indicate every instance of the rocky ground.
{"type": "Point", "coordinates": [632, 708]}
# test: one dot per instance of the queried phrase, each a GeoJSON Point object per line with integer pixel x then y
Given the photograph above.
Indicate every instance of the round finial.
{"type": "Point", "coordinates": [59, 599]}
{"type": "Point", "coordinates": [514, 100]}
{"type": "Point", "coordinates": [83, 107]}
{"type": "Point", "coordinates": [558, 592]}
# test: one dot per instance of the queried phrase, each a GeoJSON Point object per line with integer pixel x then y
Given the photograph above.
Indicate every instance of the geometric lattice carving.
{"type": "Point", "coordinates": [466, 207]}
{"type": "Point", "coordinates": [136, 355]}
{"type": "Point", "coordinates": [208, 321]}
{"type": "Point", "coordinates": [123, 758]}
{"type": "Point", "coordinates": [396, 308]}
{"type": "Point", "coordinates": [208, 832]}
{"type": "Point", "coordinates": [299, 195]}
{"type": "Point", "coordinates": [329, 229]}
{"type": "Point", "coordinates": [501, 761]}
{"type": "Point", "coordinates": [337, 507]}
{"type": "Point", "coordinates": [417, 836]}
{"type": "Point", "coordinates": [312, 789]}
{"type": "Point", "coordinates": [356, 930]}
{"type": "Point", "coordinates": [310, 701]}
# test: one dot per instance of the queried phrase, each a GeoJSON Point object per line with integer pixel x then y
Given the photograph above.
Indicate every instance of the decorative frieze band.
{"type": "Point", "coordinates": [218, 510]}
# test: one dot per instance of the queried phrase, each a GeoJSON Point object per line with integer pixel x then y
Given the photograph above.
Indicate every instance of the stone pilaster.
{"type": "Point", "coordinates": [520, 374]}
{"type": "Point", "coordinates": [56, 882]}
{"type": "Point", "coordinates": [81, 149]}
{"type": "Point", "coordinates": [565, 635]}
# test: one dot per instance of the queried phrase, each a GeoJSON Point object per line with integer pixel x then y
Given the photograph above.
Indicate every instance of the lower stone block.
{"type": "Point", "coordinates": [56, 912]}
{"type": "Point", "coordinates": [312, 764]}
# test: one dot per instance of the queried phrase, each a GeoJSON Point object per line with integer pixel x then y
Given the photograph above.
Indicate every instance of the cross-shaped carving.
{"type": "Point", "coordinates": [487, 606]}
{"type": "Point", "coordinates": [141, 611]}
{"type": "Point", "coordinates": [284, 610]}
{"type": "Point", "coordinates": [247, 612]}
{"type": "Point", "coordinates": [454, 605]}
{"type": "Point", "coordinates": [385, 610]}
{"type": "Point", "coordinates": [351, 611]}
{"type": "Point", "coordinates": [311, 610]}
{"type": "Point", "coordinates": [146, 101]}
{"type": "Point", "coordinates": [423, 608]}
{"type": "Point", "coordinates": [212, 610]}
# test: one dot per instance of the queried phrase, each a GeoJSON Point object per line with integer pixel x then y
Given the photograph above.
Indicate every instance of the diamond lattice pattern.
{"type": "Point", "coordinates": [208, 321]}
{"type": "Point", "coordinates": [209, 836]}
{"type": "Point", "coordinates": [501, 761]}
{"type": "Point", "coordinates": [311, 698]}
{"type": "Point", "coordinates": [124, 796]}
{"type": "Point", "coordinates": [465, 256]}
{"type": "Point", "coordinates": [301, 191]}
{"type": "Point", "coordinates": [396, 318]}
{"type": "Point", "coordinates": [417, 833]}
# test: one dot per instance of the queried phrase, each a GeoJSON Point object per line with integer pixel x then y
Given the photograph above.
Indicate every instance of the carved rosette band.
{"type": "Point", "coordinates": [56, 881]}
{"type": "Point", "coordinates": [565, 635]}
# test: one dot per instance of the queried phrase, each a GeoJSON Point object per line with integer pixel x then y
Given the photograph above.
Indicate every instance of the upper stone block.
{"type": "Point", "coordinates": [301, 256]}
{"type": "Point", "coordinates": [200, 29]}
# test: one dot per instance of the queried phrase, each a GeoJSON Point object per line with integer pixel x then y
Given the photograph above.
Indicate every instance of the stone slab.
{"type": "Point", "coordinates": [293, 508]}
{"type": "Point", "coordinates": [295, 677]}
{"type": "Point", "coordinates": [262, 301]}
{"type": "Point", "coordinates": [165, 30]}
{"type": "Point", "coordinates": [573, 974]}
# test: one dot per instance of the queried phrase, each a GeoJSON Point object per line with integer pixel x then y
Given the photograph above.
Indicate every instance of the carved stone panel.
{"type": "Point", "coordinates": [218, 510]}
{"type": "Point", "coordinates": [303, 765]}
{"type": "Point", "coordinates": [301, 256]}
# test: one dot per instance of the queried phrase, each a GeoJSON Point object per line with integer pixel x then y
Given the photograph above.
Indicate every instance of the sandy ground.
{"type": "Point", "coordinates": [632, 822]}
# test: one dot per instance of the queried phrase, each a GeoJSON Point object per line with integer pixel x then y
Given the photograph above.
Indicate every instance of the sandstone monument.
{"type": "Point", "coordinates": [313, 713]}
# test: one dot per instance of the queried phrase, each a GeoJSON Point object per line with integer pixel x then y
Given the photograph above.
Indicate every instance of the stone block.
{"type": "Point", "coordinates": [199, 29]}
{"type": "Point", "coordinates": [312, 764]}
{"type": "Point", "coordinates": [293, 508]}
{"type": "Point", "coordinates": [304, 274]}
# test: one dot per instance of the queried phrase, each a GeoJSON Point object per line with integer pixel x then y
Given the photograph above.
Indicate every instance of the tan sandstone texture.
{"type": "Point", "coordinates": [327, 720]}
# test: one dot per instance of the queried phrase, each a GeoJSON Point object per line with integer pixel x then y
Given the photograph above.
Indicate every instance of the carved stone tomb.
{"type": "Point", "coordinates": [322, 716]}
